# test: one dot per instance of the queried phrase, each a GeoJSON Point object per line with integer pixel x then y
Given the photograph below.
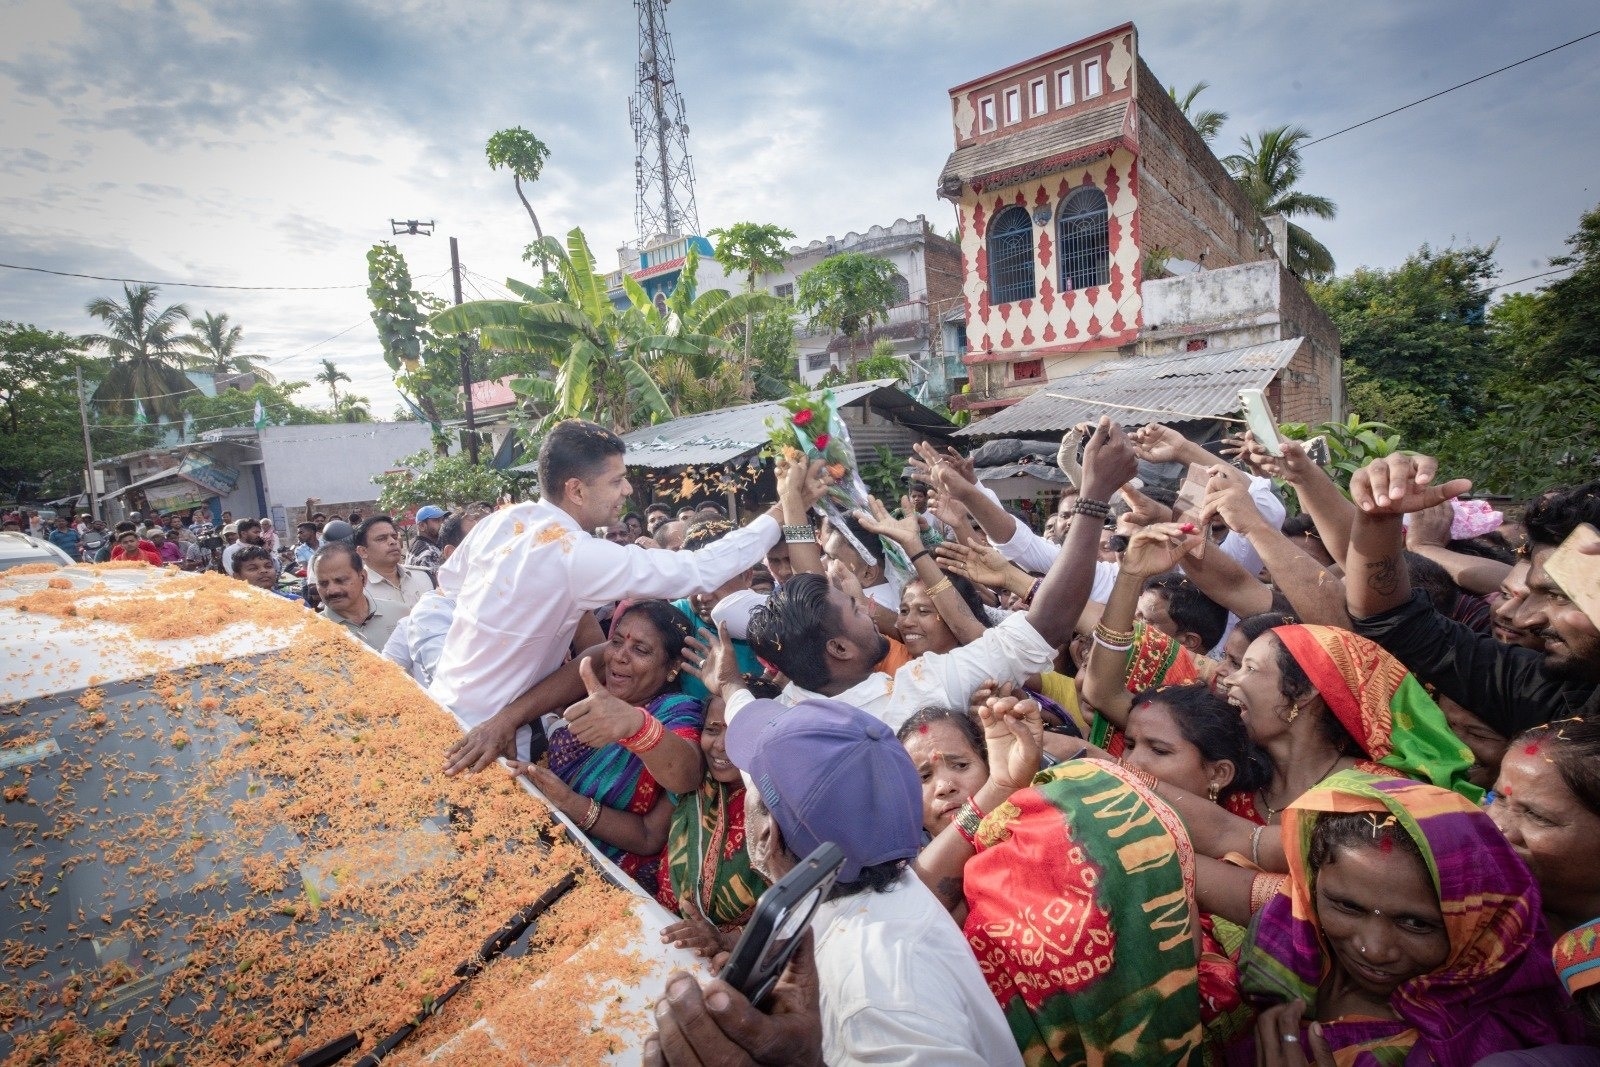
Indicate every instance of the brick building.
{"type": "Point", "coordinates": [1075, 177]}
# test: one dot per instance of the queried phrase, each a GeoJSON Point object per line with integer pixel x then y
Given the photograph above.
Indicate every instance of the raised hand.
{"type": "Point", "coordinates": [1157, 443]}
{"type": "Point", "coordinates": [1294, 466]}
{"type": "Point", "coordinates": [1159, 548]}
{"type": "Point", "coordinates": [1228, 495]}
{"type": "Point", "coordinates": [1109, 462]}
{"type": "Point", "coordinates": [1142, 510]}
{"type": "Point", "coordinates": [906, 532]}
{"type": "Point", "coordinates": [1402, 483]}
{"type": "Point", "coordinates": [1013, 732]}
{"type": "Point", "coordinates": [986, 566]}
{"type": "Point", "coordinates": [844, 579]}
{"type": "Point", "coordinates": [601, 718]}
{"type": "Point", "coordinates": [1431, 526]}
{"type": "Point", "coordinates": [801, 483]}
{"type": "Point", "coordinates": [713, 662]}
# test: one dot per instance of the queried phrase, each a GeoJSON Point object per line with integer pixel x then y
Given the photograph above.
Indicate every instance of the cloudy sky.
{"type": "Point", "coordinates": [265, 143]}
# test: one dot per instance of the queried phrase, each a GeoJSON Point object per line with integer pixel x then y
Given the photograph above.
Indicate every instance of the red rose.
{"type": "Point", "coordinates": [822, 441]}
{"type": "Point", "coordinates": [803, 416]}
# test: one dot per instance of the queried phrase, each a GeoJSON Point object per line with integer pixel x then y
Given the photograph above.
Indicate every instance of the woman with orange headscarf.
{"type": "Point", "coordinates": [1320, 699]}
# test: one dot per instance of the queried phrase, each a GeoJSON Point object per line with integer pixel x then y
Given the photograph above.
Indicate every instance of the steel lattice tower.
{"type": "Point", "coordinates": [663, 172]}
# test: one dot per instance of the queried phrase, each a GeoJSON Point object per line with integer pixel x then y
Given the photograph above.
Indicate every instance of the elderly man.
{"type": "Point", "coordinates": [898, 981]}
{"type": "Point", "coordinates": [529, 574]}
{"type": "Point", "coordinates": [342, 586]}
{"type": "Point", "coordinates": [378, 541]}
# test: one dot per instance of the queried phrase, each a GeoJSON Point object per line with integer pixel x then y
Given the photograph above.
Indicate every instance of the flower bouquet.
{"type": "Point", "coordinates": [813, 429]}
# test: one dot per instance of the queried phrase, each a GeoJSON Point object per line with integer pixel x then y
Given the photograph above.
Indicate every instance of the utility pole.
{"type": "Point", "coordinates": [466, 360]}
{"type": "Point", "coordinates": [88, 450]}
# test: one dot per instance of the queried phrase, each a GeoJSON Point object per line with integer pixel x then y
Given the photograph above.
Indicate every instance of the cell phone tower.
{"type": "Point", "coordinates": [663, 172]}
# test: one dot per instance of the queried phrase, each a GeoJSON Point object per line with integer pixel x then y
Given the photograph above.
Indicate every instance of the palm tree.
{"type": "Point", "coordinates": [331, 376]}
{"type": "Point", "coordinates": [216, 343]}
{"type": "Point", "coordinates": [603, 354]}
{"type": "Point", "coordinates": [1207, 123]}
{"type": "Point", "coordinates": [146, 353]}
{"type": "Point", "coordinates": [750, 249]}
{"type": "Point", "coordinates": [1268, 170]}
{"type": "Point", "coordinates": [524, 155]}
{"type": "Point", "coordinates": [352, 408]}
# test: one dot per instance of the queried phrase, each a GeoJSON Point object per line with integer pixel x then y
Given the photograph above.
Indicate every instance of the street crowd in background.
{"type": "Point", "coordinates": [1182, 778]}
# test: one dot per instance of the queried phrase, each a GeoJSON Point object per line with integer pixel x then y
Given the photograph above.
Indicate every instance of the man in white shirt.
{"type": "Point", "coordinates": [828, 645]}
{"type": "Point", "coordinates": [378, 541]}
{"type": "Point", "coordinates": [898, 983]}
{"type": "Point", "coordinates": [526, 574]}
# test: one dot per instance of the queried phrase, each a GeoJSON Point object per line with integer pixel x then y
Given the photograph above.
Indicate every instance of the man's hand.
{"type": "Point", "coordinates": [1013, 732]}
{"type": "Point", "coordinates": [1160, 444]}
{"type": "Point", "coordinates": [1158, 549]}
{"type": "Point", "coordinates": [1142, 511]}
{"type": "Point", "coordinates": [800, 484]}
{"type": "Point", "coordinates": [906, 532]}
{"type": "Point", "coordinates": [1431, 526]}
{"type": "Point", "coordinates": [713, 1025]}
{"type": "Point", "coordinates": [601, 718]}
{"type": "Point", "coordinates": [481, 746]}
{"type": "Point", "coordinates": [949, 472]}
{"type": "Point", "coordinates": [713, 662]}
{"type": "Point", "coordinates": [844, 579]}
{"type": "Point", "coordinates": [1109, 462]}
{"type": "Point", "coordinates": [986, 566]}
{"type": "Point", "coordinates": [1228, 495]}
{"type": "Point", "coordinates": [1294, 466]}
{"type": "Point", "coordinates": [1399, 484]}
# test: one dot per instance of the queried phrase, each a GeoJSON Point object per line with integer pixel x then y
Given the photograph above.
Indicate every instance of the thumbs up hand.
{"type": "Point", "coordinates": [601, 718]}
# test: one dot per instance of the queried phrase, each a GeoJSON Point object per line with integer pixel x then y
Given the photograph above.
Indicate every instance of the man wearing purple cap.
{"type": "Point", "coordinates": [898, 982]}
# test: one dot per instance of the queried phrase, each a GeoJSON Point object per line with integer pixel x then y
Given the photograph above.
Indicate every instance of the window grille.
{"type": "Point", "coordinates": [1011, 256]}
{"type": "Point", "coordinates": [1083, 240]}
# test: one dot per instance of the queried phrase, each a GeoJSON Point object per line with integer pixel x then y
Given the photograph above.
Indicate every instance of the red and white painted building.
{"type": "Point", "coordinates": [1073, 171]}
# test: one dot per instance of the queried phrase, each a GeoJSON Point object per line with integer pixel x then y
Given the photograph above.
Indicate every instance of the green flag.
{"type": "Point", "coordinates": [139, 417]}
{"type": "Point", "coordinates": [261, 415]}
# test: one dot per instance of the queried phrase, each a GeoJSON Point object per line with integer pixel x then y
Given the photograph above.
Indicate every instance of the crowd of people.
{"type": "Point", "coordinates": [1181, 779]}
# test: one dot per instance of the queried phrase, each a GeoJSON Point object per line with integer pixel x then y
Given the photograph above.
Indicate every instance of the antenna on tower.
{"type": "Point", "coordinates": [663, 172]}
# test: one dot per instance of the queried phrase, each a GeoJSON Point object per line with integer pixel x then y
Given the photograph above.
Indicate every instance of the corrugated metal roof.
{"type": "Point", "coordinates": [1196, 385]}
{"type": "Point", "coordinates": [733, 433]}
{"type": "Point", "coordinates": [1036, 145]}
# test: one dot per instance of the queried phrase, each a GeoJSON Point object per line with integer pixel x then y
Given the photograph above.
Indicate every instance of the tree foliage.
{"type": "Point", "coordinates": [41, 439]}
{"type": "Point", "coordinates": [1207, 122]}
{"type": "Point", "coordinates": [883, 363]}
{"type": "Point", "coordinates": [1417, 350]}
{"type": "Point", "coordinates": [426, 364]}
{"type": "Point", "coordinates": [849, 293]}
{"type": "Point", "coordinates": [524, 155]}
{"type": "Point", "coordinates": [146, 352]}
{"type": "Point", "coordinates": [1268, 170]}
{"type": "Point", "coordinates": [215, 347]}
{"type": "Point", "coordinates": [236, 407]}
{"type": "Point", "coordinates": [449, 481]}
{"type": "Point", "coordinates": [750, 249]}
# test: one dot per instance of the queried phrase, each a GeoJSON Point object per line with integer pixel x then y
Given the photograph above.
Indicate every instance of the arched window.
{"type": "Point", "coordinates": [902, 288]}
{"type": "Point", "coordinates": [1011, 256]}
{"type": "Point", "coordinates": [1083, 241]}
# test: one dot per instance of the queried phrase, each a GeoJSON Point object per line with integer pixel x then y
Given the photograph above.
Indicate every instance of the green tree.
{"type": "Point", "coordinates": [1416, 348]}
{"type": "Point", "coordinates": [1268, 170]}
{"type": "Point", "coordinates": [773, 353]}
{"type": "Point", "coordinates": [451, 481]}
{"type": "Point", "coordinates": [426, 363]}
{"type": "Point", "coordinates": [1207, 123]}
{"type": "Point", "coordinates": [849, 293]}
{"type": "Point", "coordinates": [750, 249]}
{"type": "Point", "coordinates": [215, 344]}
{"type": "Point", "coordinates": [524, 155]}
{"type": "Point", "coordinates": [603, 356]}
{"type": "Point", "coordinates": [352, 407]}
{"type": "Point", "coordinates": [883, 363]}
{"type": "Point", "coordinates": [236, 407]}
{"type": "Point", "coordinates": [330, 375]}
{"type": "Point", "coordinates": [146, 350]}
{"type": "Point", "coordinates": [1542, 423]}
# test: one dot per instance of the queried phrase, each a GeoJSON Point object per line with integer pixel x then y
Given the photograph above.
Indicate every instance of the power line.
{"type": "Point", "coordinates": [178, 285]}
{"type": "Point", "coordinates": [1453, 88]}
{"type": "Point", "coordinates": [1529, 278]}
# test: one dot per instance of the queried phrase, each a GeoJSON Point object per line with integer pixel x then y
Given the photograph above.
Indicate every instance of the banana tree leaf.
{"type": "Point", "coordinates": [644, 387]}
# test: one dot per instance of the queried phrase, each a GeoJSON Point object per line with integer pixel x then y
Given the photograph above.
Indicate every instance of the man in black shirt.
{"type": "Point", "coordinates": [1509, 687]}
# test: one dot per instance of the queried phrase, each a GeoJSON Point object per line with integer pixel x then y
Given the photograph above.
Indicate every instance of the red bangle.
{"type": "Point", "coordinates": [647, 737]}
{"type": "Point", "coordinates": [645, 719]}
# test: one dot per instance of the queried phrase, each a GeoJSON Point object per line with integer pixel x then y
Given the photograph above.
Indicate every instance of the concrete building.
{"type": "Point", "coordinates": [1096, 226]}
{"type": "Point", "coordinates": [268, 472]}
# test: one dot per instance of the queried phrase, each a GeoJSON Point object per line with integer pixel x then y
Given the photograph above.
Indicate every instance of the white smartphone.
{"type": "Point", "coordinates": [1258, 416]}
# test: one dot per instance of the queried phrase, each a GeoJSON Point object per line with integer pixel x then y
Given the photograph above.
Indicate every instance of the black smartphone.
{"type": "Point", "coordinates": [782, 915]}
{"type": "Point", "coordinates": [1094, 428]}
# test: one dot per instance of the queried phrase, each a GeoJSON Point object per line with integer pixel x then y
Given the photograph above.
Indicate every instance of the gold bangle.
{"type": "Point", "coordinates": [1263, 887]}
{"type": "Point", "coordinates": [938, 587]}
{"type": "Point", "coordinates": [1113, 637]}
{"type": "Point", "coordinates": [590, 817]}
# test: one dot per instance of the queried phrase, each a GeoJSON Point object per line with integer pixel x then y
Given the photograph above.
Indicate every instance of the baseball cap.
{"type": "Point", "coordinates": [231, 528]}
{"type": "Point", "coordinates": [430, 511]}
{"type": "Point", "coordinates": [828, 771]}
